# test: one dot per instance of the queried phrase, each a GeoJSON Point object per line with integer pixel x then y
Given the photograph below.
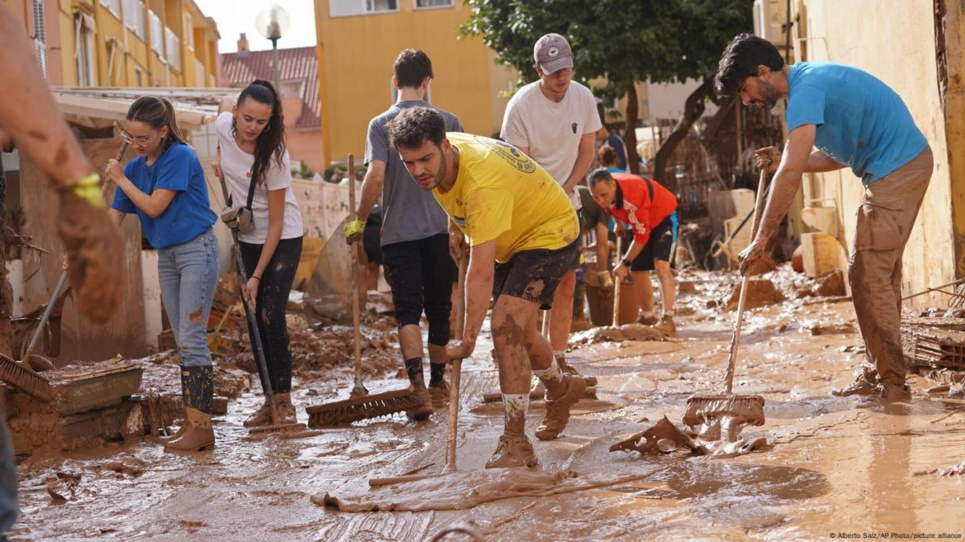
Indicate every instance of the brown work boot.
{"type": "Point", "coordinates": [558, 408]}
{"type": "Point", "coordinates": [666, 326]}
{"type": "Point", "coordinates": [284, 409]}
{"type": "Point", "coordinates": [424, 409]}
{"type": "Point", "coordinates": [861, 386]}
{"type": "Point", "coordinates": [198, 436]}
{"type": "Point", "coordinates": [647, 320]}
{"type": "Point", "coordinates": [512, 451]}
{"type": "Point", "coordinates": [439, 394]}
{"type": "Point", "coordinates": [261, 417]}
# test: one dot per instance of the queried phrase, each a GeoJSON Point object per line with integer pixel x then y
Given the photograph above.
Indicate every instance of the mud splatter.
{"type": "Point", "coordinates": [195, 316]}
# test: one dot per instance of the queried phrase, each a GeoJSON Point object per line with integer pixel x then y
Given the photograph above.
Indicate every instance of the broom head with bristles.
{"type": "Point", "coordinates": [22, 377]}
{"type": "Point", "coordinates": [723, 416]}
{"type": "Point", "coordinates": [362, 408]}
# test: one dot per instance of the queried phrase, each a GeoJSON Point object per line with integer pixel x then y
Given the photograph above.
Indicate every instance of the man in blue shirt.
{"type": "Point", "coordinates": [855, 121]}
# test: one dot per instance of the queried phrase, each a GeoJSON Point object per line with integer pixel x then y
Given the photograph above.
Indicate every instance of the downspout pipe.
{"type": "Point", "coordinates": [40, 35]}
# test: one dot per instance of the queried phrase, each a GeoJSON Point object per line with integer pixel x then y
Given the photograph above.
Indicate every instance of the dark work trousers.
{"type": "Point", "coordinates": [271, 306]}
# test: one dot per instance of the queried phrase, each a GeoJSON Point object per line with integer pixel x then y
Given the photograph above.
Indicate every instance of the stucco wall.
{"type": "Point", "coordinates": [895, 41]}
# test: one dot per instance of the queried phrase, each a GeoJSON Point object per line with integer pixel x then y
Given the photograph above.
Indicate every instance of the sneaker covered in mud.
{"type": "Point", "coordinates": [860, 386]}
{"type": "Point", "coordinates": [570, 370]}
{"type": "Point", "coordinates": [261, 417]}
{"type": "Point", "coordinates": [424, 409]}
{"type": "Point", "coordinates": [285, 409]}
{"type": "Point", "coordinates": [666, 326]}
{"type": "Point", "coordinates": [648, 320]}
{"type": "Point", "coordinates": [439, 394]}
{"type": "Point", "coordinates": [513, 451]}
{"type": "Point", "coordinates": [558, 408]}
{"type": "Point", "coordinates": [893, 393]}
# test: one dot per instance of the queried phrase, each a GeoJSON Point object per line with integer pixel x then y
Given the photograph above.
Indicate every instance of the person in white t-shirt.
{"type": "Point", "coordinates": [554, 121]}
{"type": "Point", "coordinates": [252, 153]}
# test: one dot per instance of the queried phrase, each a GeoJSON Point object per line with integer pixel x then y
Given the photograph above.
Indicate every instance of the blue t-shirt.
{"type": "Point", "coordinates": [188, 215]}
{"type": "Point", "coordinates": [860, 121]}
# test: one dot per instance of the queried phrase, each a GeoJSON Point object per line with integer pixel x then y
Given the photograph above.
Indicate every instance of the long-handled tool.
{"type": "Point", "coordinates": [257, 347]}
{"type": "Point", "coordinates": [360, 405]}
{"type": "Point", "coordinates": [456, 377]}
{"type": "Point", "coordinates": [725, 415]}
{"type": "Point", "coordinates": [617, 280]}
{"type": "Point", "coordinates": [20, 374]}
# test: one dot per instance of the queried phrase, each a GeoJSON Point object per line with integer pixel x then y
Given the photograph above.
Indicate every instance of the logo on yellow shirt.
{"type": "Point", "coordinates": [509, 153]}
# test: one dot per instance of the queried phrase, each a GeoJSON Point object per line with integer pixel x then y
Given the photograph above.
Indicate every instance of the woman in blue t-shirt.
{"type": "Point", "coordinates": [165, 187]}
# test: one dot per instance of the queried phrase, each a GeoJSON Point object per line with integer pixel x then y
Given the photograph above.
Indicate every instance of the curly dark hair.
{"type": "Point", "coordinates": [607, 156]}
{"type": "Point", "coordinates": [740, 60]}
{"type": "Point", "coordinates": [271, 141]}
{"type": "Point", "coordinates": [415, 126]}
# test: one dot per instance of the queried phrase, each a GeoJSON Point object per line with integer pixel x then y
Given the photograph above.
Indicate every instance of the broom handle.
{"type": "Point", "coordinates": [456, 371]}
{"type": "Point", "coordinates": [617, 280]}
{"type": "Point", "coordinates": [735, 340]}
{"type": "Point", "coordinates": [354, 275]}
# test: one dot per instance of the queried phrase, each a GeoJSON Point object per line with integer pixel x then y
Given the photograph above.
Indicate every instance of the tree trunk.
{"type": "Point", "coordinates": [630, 131]}
{"type": "Point", "coordinates": [693, 109]}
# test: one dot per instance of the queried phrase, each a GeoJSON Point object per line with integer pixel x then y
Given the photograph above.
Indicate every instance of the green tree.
{"type": "Point", "coordinates": [626, 41]}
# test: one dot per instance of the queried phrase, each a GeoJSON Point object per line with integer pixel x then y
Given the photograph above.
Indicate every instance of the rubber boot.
{"type": "Point", "coordinates": [198, 383]}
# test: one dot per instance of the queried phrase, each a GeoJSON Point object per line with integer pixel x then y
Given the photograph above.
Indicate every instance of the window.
{"type": "Point", "coordinates": [346, 8]}
{"type": "Point", "coordinates": [114, 6]}
{"type": "Point", "coordinates": [84, 49]}
{"type": "Point", "coordinates": [134, 16]}
{"type": "Point", "coordinates": [173, 47]}
{"type": "Point", "coordinates": [422, 4]}
{"type": "Point", "coordinates": [189, 32]}
{"type": "Point", "coordinates": [157, 34]}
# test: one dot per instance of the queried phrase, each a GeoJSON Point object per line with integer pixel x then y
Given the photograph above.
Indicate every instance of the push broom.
{"type": "Point", "coordinates": [724, 415]}
{"type": "Point", "coordinates": [360, 405]}
{"type": "Point", "coordinates": [19, 374]}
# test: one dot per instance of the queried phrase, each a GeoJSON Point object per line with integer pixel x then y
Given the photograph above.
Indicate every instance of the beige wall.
{"type": "Point", "coordinates": [355, 74]}
{"type": "Point", "coordinates": [895, 41]}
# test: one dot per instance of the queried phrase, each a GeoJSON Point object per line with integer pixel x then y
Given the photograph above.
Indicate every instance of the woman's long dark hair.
{"type": "Point", "coordinates": [157, 113]}
{"type": "Point", "coordinates": [271, 141]}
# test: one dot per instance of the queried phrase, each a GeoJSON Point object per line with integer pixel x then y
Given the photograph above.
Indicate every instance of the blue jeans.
{"type": "Point", "coordinates": [189, 276]}
{"type": "Point", "coordinates": [8, 475]}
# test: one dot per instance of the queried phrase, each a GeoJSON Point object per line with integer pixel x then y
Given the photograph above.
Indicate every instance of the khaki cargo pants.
{"type": "Point", "coordinates": [885, 220]}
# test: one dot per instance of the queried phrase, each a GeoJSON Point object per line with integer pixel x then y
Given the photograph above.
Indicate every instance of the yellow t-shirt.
{"type": "Point", "coordinates": [502, 194]}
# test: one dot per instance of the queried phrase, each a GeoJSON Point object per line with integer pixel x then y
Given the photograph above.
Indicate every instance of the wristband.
{"type": "Point", "coordinates": [626, 262]}
{"type": "Point", "coordinates": [256, 277]}
{"type": "Point", "coordinates": [88, 189]}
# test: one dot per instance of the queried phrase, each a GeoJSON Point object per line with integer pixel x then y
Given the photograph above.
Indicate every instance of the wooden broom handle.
{"type": "Point", "coordinates": [456, 371]}
{"type": "Point", "coordinates": [735, 340]}
{"type": "Point", "coordinates": [617, 280]}
{"type": "Point", "coordinates": [354, 275]}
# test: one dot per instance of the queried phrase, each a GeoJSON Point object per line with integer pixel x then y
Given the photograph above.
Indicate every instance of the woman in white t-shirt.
{"type": "Point", "coordinates": [252, 155]}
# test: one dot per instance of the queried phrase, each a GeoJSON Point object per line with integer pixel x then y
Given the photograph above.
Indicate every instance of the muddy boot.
{"type": "Point", "coordinates": [892, 393]}
{"type": "Point", "coordinates": [512, 451]}
{"type": "Point", "coordinates": [261, 417]}
{"type": "Point", "coordinates": [421, 412]}
{"type": "Point", "coordinates": [284, 408]}
{"type": "Point", "coordinates": [570, 370]}
{"type": "Point", "coordinates": [198, 384]}
{"type": "Point", "coordinates": [198, 436]}
{"type": "Point", "coordinates": [439, 394]}
{"type": "Point", "coordinates": [666, 326]}
{"type": "Point", "coordinates": [866, 383]}
{"type": "Point", "coordinates": [558, 408]}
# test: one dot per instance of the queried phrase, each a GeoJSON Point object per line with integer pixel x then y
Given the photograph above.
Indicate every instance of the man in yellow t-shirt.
{"type": "Point", "coordinates": [512, 212]}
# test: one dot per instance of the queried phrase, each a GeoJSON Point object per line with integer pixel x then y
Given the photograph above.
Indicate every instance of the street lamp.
{"type": "Point", "coordinates": [272, 23]}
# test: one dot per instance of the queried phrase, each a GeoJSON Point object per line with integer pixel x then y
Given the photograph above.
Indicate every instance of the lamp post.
{"type": "Point", "coordinates": [272, 23]}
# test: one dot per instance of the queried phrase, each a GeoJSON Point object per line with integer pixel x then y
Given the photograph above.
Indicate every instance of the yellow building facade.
{"type": "Point", "coordinates": [124, 43]}
{"type": "Point", "coordinates": [358, 41]}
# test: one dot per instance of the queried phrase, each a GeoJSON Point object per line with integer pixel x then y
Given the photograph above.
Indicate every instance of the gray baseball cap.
{"type": "Point", "coordinates": [552, 53]}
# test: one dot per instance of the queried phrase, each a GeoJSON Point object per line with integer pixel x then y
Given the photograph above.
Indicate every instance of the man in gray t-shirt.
{"type": "Point", "coordinates": [415, 239]}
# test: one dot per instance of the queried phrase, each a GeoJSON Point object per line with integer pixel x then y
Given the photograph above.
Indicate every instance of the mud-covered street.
{"type": "Point", "coordinates": [831, 465]}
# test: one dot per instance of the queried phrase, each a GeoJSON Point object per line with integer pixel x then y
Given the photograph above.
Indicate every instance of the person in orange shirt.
{"type": "Point", "coordinates": [650, 210]}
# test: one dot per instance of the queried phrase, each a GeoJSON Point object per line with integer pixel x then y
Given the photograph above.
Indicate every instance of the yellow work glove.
{"type": "Point", "coordinates": [353, 231]}
{"type": "Point", "coordinates": [88, 188]}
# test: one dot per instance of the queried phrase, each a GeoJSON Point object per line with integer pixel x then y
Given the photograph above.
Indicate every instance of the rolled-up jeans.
{"type": "Point", "coordinates": [189, 276]}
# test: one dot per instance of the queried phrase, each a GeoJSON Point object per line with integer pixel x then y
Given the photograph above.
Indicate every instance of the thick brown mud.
{"type": "Point", "coordinates": [832, 465]}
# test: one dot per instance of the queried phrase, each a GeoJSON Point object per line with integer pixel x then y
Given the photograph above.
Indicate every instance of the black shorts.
{"type": "Point", "coordinates": [658, 247]}
{"type": "Point", "coordinates": [421, 274]}
{"type": "Point", "coordinates": [370, 242]}
{"type": "Point", "coordinates": [534, 274]}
